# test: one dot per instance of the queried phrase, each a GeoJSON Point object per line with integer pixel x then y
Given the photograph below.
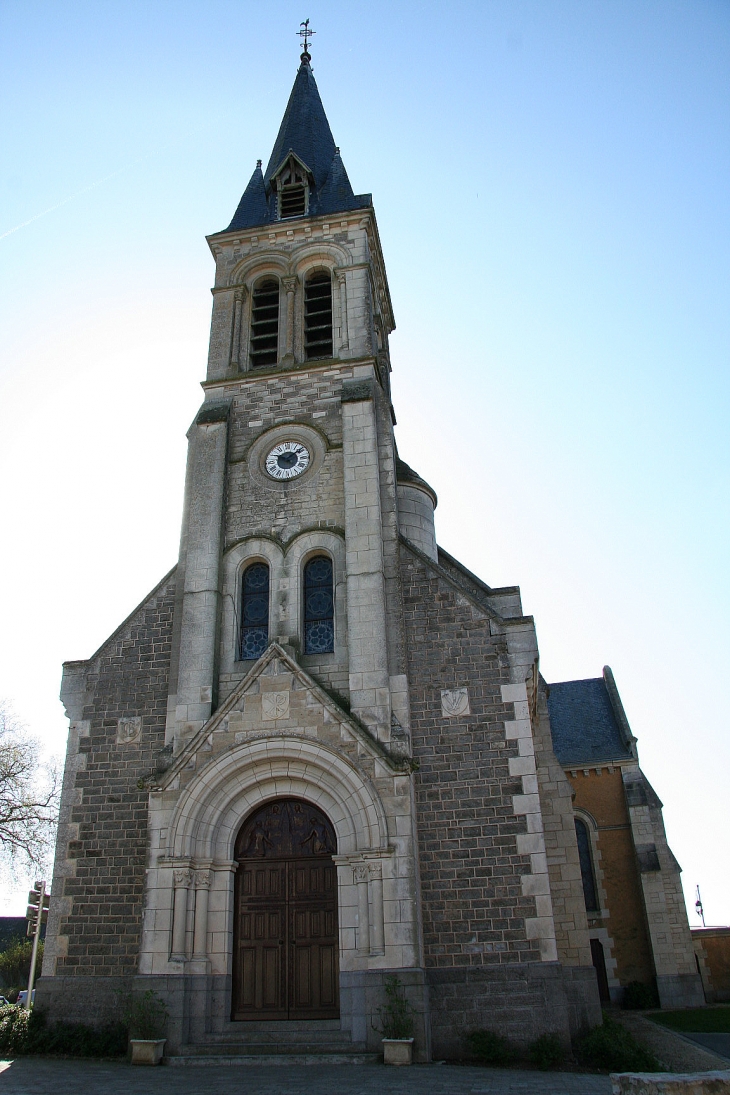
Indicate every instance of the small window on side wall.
{"type": "Point", "coordinates": [254, 611]}
{"type": "Point", "coordinates": [319, 606]}
{"type": "Point", "coordinates": [586, 866]}
{"type": "Point", "coordinates": [318, 316]}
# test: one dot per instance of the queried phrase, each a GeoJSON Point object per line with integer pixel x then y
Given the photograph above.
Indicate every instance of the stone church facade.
{"type": "Point", "coordinates": [320, 752]}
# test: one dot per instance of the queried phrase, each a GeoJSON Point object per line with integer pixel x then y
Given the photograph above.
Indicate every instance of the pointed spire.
{"type": "Point", "coordinates": [253, 207]}
{"type": "Point", "coordinates": [337, 195]}
{"type": "Point", "coordinates": [304, 129]}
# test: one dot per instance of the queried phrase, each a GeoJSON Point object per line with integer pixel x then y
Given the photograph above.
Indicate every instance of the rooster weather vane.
{"type": "Point", "coordinates": [306, 34]}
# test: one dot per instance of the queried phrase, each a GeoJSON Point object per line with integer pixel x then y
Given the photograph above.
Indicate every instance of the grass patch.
{"type": "Point", "coordinates": [696, 1020]}
{"type": "Point", "coordinates": [612, 1048]}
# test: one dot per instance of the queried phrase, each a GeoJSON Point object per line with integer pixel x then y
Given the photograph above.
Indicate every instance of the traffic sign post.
{"type": "Point", "coordinates": [36, 915]}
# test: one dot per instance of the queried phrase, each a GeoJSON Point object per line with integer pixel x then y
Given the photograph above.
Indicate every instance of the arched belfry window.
{"type": "Point", "coordinates": [586, 866]}
{"type": "Point", "coordinates": [265, 324]}
{"type": "Point", "coordinates": [318, 316]}
{"type": "Point", "coordinates": [319, 606]}
{"type": "Point", "coordinates": [254, 611]}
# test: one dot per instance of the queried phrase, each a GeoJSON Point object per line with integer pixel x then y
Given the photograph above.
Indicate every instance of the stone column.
{"type": "Point", "coordinates": [366, 627]}
{"type": "Point", "coordinates": [376, 895]}
{"type": "Point", "coordinates": [290, 285]}
{"type": "Point", "coordinates": [238, 300]}
{"type": "Point", "coordinates": [361, 874]}
{"type": "Point", "coordinates": [183, 878]}
{"type": "Point", "coordinates": [200, 936]}
{"type": "Point", "coordinates": [342, 285]}
{"type": "Point", "coordinates": [201, 594]}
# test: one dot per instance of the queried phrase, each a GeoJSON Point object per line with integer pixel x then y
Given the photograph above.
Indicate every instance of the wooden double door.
{"type": "Point", "coordinates": [286, 940]}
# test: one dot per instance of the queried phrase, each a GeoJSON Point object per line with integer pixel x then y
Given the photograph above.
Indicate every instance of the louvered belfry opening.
{"type": "Point", "coordinates": [293, 201]}
{"type": "Point", "coordinates": [265, 324]}
{"type": "Point", "coordinates": [292, 191]}
{"type": "Point", "coordinates": [318, 316]}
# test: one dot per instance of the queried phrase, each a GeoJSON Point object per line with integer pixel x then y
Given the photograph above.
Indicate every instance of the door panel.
{"type": "Point", "coordinates": [286, 947]}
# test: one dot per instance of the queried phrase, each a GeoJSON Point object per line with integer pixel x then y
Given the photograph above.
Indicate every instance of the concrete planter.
{"type": "Point", "coordinates": [147, 1051]}
{"type": "Point", "coordinates": [397, 1051]}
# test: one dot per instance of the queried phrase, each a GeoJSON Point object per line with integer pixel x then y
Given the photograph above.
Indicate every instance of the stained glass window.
{"type": "Point", "coordinates": [319, 607]}
{"type": "Point", "coordinates": [255, 611]}
{"type": "Point", "coordinates": [586, 865]}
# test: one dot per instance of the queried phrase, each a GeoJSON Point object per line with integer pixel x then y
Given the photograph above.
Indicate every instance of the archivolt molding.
{"type": "Point", "coordinates": [254, 266]}
{"type": "Point", "coordinates": [213, 806]}
{"type": "Point", "coordinates": [320, 253]}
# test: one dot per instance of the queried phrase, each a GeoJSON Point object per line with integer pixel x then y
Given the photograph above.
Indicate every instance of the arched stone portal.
{"type": "Point", "coordinates": [285, 936]}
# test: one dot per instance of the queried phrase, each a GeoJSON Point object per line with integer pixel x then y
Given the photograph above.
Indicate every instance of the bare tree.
{"type": "Point", "coordinates": [29, 794]}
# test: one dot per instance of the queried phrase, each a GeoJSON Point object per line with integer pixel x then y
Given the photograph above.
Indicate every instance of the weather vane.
{"type": "Point", "coordinates": [306, 34]}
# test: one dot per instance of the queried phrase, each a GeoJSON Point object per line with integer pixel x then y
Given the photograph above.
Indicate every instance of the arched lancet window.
{"type": "Point", "coordinates": [319, 606]}
{"type": "Point", "coordinates": [265, 324]}
{"type": "Point", "coordinates": [254, 611]}
{"type": "Point", "coordinates": [318, 316]}
{"type": "Point", "coordinates": [586, 866]}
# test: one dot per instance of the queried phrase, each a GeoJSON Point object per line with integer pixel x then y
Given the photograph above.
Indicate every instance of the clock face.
{"type": "Point", "coordinates": [287, 460]}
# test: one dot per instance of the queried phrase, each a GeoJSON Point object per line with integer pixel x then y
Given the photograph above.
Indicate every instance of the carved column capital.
{"type": "Point", "coordinates": [376, 870]}
{"type": "Point", "coordinates": [360, 872]}
{"type": "Point", "coordinates": [202, 880]}
{"type": "Point", "coordinates": [290, 284]}
{"type": "Point", "coordinates": [183, 877]}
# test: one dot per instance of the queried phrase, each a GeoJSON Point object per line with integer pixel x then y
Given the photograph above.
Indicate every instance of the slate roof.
{"type": "Point", "coordinates": [304, 130]}
{"type": "Point", "coordinates": [588, 724]}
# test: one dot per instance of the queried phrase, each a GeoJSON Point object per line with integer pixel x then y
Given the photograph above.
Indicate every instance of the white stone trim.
{"type": "Point", "coordinates": [541, 927]}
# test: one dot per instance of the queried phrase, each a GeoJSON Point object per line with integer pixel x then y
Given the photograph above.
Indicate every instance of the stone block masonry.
{"type": "Point", "coordinates": [474, 908]}
{"type": "Point", "coordinates": [98, 888]}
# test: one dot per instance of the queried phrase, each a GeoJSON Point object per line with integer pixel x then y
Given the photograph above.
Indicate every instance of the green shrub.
{"type": "Point", "coordinates": [146, 1015]}
{"type": "Point", "coordinates": [490, 1048]}
{"type": "Point", "coordinates": [546, 1052]}
{"type": "Point", "coordinates": [26, 1032]}
{"type": "Point", "coordinates": [13, 1028]}
{"type": "Point", "coordinates": [611, 1047]}
{"type": "Point", "coordinates": [639, 996]}
{"type": "Point", "coordinates": [396, 1014]}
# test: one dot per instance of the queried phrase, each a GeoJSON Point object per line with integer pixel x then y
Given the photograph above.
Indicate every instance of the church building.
{"type": "Point", "coordinates": [320, 753]}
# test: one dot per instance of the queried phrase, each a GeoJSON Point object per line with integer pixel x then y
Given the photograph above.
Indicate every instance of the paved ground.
{"type": "Point", "coordinates": [718, 1043]}
{"type": "Point", "coordinates": [44, 1076]}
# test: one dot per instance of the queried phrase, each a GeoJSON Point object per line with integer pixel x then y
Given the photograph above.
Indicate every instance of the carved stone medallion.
{"type": "Point", "coordinates": [454, 702]}
{"type": "Point", "coordinates": [274, 705]}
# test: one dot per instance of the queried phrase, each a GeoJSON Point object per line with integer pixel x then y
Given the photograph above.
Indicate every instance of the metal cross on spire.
{"type": "Point", "coordinates": [306, 34]}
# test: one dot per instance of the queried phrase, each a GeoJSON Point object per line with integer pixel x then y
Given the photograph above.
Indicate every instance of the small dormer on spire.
{"type": "Point", "coordinates": [292, 184]}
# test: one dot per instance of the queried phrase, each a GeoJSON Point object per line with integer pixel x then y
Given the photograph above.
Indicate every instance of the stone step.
{"type": "Point", "coordinates": [250, 1059]}
{"type": "Point", "coordinates": [294, 1037]}
{"type": "Point", "coordinates": [261, 1047]}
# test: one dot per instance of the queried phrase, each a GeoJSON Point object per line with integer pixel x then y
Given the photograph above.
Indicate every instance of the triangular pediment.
{"type": "Point", "coordinates": [277, 698]}
{"type": "Point", "coordinates": [296, 161]}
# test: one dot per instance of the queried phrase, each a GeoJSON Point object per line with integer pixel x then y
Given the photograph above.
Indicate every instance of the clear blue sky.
{"type": "Point", "coordinates": [551, 185]}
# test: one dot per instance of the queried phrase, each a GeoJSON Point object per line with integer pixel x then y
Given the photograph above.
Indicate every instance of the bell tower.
{"type": "Point", "coordinates": [292, 454]}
